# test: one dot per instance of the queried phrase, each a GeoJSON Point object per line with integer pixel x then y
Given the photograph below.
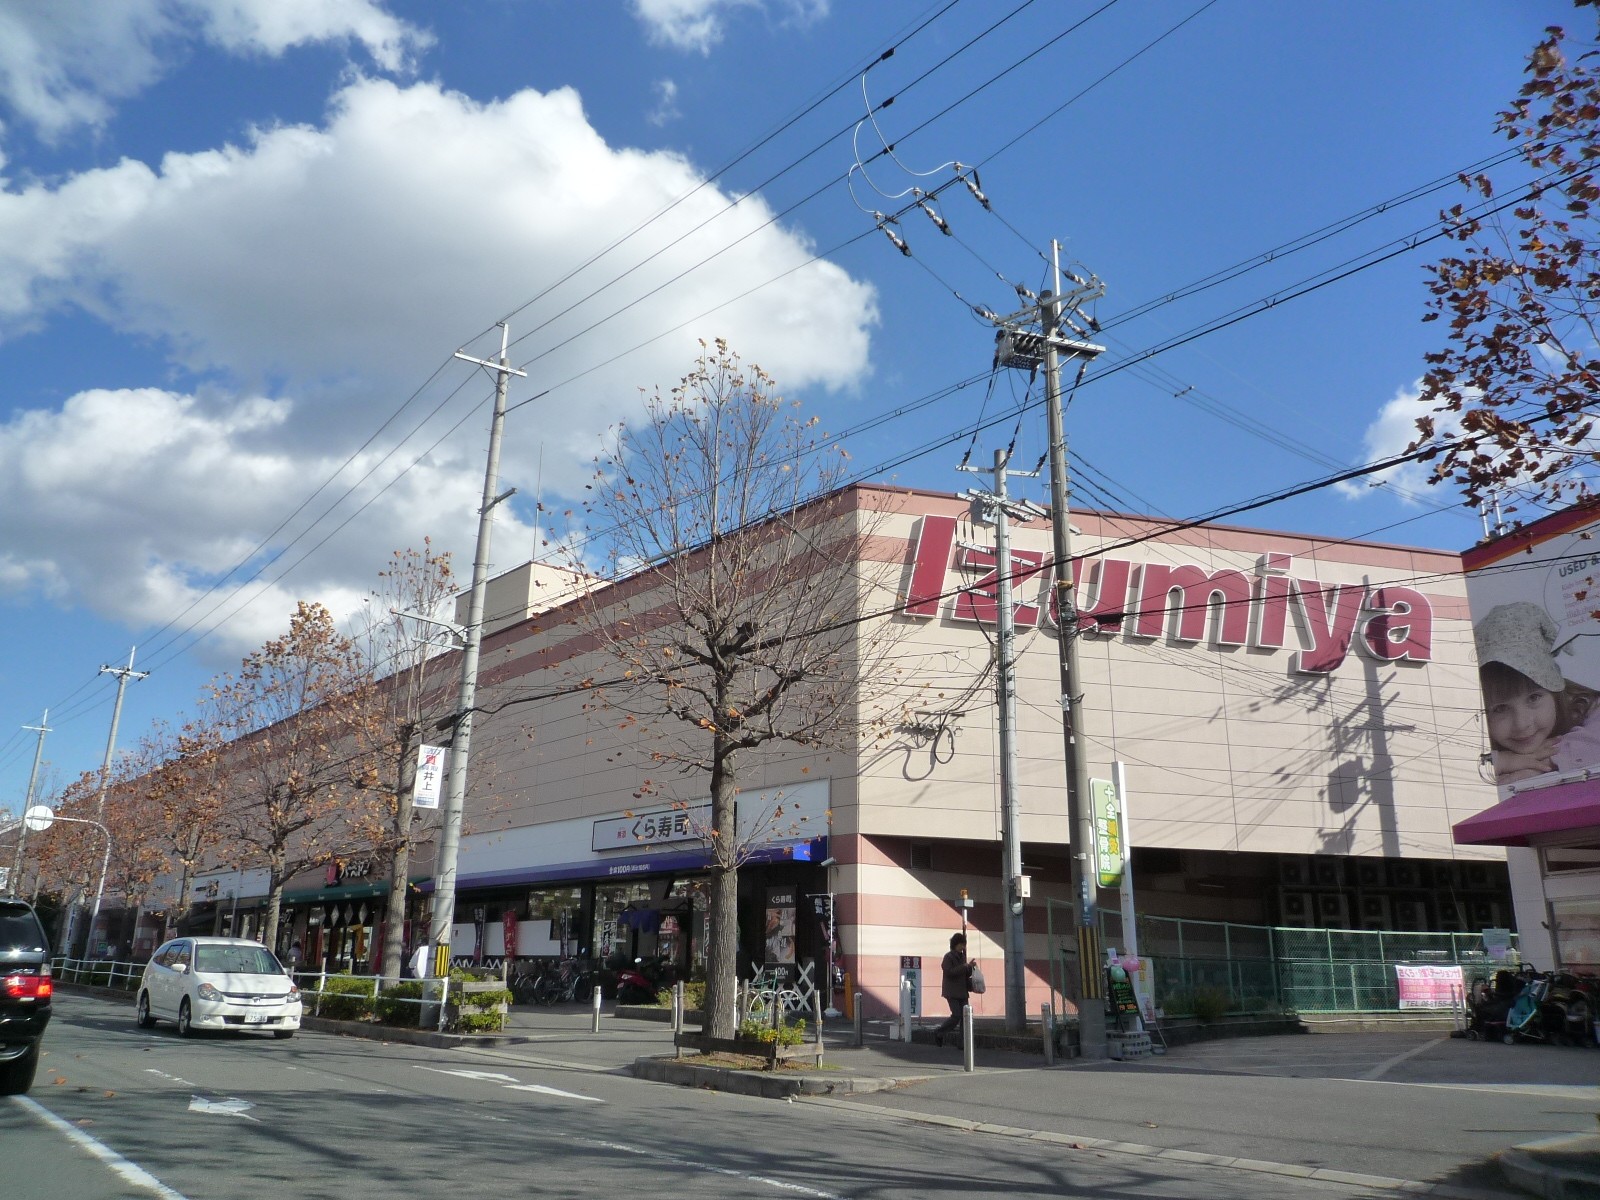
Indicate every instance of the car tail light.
{"type": "Point", "coordinates": [28, 987]}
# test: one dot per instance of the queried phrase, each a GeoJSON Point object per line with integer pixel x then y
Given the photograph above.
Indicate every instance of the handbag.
{"type": "Point", "coordinates": [975, 981]}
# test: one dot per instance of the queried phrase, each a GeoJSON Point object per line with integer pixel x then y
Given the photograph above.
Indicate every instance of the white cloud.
{"type": "Point", "coordinates": [1389, 434]}
{"type": "Point", "coordinates": [666, 108]}
{"type": "Point", "coordinates": [309, 281]}
{"type": "Point", "coordinates": [65, 63]}
{"type": "Point", "coordinates": [697, 25]}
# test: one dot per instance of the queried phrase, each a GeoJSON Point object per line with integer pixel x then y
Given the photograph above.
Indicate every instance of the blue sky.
{"type": "Point", "coordinates": [240, 240]}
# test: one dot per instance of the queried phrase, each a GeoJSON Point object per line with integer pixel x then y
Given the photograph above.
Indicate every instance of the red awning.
{"type": "Point", "coordinates": [1558, 809]}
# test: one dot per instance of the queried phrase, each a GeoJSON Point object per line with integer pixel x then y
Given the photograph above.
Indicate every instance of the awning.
{"type": "Point", "coordinates": [810, 850]}
{"type": "Point", "coordinates": [1559, 809]}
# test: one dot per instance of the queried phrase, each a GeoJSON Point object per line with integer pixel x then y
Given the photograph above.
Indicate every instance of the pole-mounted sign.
{"type": "Point", "coordinates": [1108, 848]}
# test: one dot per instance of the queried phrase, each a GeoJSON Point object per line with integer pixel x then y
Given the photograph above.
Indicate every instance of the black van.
{"type": "Point", "coordinates": [25, 989]}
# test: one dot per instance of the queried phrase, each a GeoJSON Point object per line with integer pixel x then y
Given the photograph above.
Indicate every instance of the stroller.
{"type": "Point", "coordinates": [1491, 1003]}
{"type": "Point", "coordinates": [1526, 1020]}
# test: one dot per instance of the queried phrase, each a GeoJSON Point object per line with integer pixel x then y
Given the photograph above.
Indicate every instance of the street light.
{"type": "Point", "coordinates": [40, 817]}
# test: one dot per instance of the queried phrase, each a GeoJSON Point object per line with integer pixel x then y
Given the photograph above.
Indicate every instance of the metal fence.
{"type": "Point", "coordinates": [1219, 967]}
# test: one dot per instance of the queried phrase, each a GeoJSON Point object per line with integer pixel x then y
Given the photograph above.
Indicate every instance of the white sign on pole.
{"type": "Point", "coordinates": [39, 818]}
{"type": "Point", "coordinates": [426, 787]}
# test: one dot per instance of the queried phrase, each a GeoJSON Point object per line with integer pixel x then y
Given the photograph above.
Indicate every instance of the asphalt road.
{"type": "Point", "coordinates": [119, 1112]}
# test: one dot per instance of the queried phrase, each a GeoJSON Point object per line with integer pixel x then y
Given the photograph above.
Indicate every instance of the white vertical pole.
{"type": "Point", "coordinates": [1130, 929]}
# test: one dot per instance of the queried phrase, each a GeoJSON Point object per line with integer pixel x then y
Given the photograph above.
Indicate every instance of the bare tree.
{"type": "Point", "coordinates": [414, 695]}
{"type": "Point", "coordinates": [301, 773]}
{"type": "Point", "coordinates": [1521, 372]}
{"type": "Point", "coordinates": [186, 793]}
{"type": "Point", "coordinates": [737, 626]}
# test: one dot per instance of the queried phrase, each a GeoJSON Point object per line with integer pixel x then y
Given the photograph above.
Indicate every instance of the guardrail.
{"type": "Point", "coordinates": [98, 972]}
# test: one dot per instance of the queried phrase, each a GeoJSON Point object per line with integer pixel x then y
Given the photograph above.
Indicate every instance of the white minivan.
{"type": "Point", "coordinates": [218, 983]}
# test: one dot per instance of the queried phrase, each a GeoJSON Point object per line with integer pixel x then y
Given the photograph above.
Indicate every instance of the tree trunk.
{"type": "Point", "coordinates": [399, 868]}
{"type": "Point", "coordinates": [269, 928]}
{"type": "Point", "coordinates": [722, 953]}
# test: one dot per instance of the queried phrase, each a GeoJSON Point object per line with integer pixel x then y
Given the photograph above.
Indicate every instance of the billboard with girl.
{"type": "Point", "coordinates": [1536, 625]}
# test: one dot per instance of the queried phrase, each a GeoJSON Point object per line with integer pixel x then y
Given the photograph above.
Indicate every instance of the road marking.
{"type": "Point", "coordinates": [231, 1107]}
{"type": "Point", "coordinates": [486, 1076]}
{"type": "Point", "coordinates": [131, 1173]}
{"type": "Point", "coordinates": [509, 1082]}
{"type": "Point", "coordinates": [550, 1091]}
{"type": "Point", "coordinates": [1382, 1069]}
{"type": "Point", "coordinates": [678, 1160]}
{"type": "Point", "coordinates": [172, 1078]}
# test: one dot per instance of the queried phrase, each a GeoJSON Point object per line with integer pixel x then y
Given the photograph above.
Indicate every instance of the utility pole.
{"type": "Point", "coordinates": [444, 872]}
{"type": "Point", "coordinates": [123, 674]}
{"type": "Point", "coordinates": [43, 727]}
{"type": "Point", "coordinates": [1021, 347]}
{"type": "Point", "coordinates": [996, 508]}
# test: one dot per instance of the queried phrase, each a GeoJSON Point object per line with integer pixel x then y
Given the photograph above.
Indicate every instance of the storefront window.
{"type": "Point", "coordinates": [1576, 924]}
{"type": "Point", "coordinates": [563, 908]}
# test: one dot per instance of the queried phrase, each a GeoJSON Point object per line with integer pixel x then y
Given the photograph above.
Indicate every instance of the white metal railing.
{"type": "Point", "coordinates": [97, 972]}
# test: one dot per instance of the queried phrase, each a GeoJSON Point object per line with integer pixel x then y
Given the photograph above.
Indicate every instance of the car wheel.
{"type": "Point", "coordinates": [141, 1014]}
{"type": "Point", "coordinates": [16, 1076]}
{"type": "Point", "coordinates": [280, 1034]}
{"type": "Point", "coordinates": [185, 1019]}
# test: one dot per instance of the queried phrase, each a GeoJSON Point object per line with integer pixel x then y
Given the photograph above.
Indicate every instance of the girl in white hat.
{"type": "Point", "coordinates": [1536, 718]}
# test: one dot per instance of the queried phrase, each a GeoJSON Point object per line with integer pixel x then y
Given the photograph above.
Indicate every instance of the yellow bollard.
{"type": "Point", "coordinates": [849, 999]}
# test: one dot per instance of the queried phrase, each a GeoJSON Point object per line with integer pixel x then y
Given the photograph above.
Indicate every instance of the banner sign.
{"type": "Point", "coordinates": [1429, 986]}
{"type": "Point", "coordinates": [429, 779]}
{"type": "Point", "coordinates": [1107, 832]}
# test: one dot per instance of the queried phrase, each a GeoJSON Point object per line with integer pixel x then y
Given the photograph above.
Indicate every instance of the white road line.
{"type": "Point", "coordinates": [131, 1173]}
{"type": "Point", "coordinates": [677, 1160]}
{"type": "Point", "coordinates": [1382, 1069]}
{"type": "Point", "coordinates": [172, 1078]}
{"type": "Point", "coordinates": [230, 1107]}
{"type": "Point", "coordinates": [508, 1082]}
{"type": "Point", "coordinates": [486, 1076]}
{"type": "Point", "coordinates": [550, 1091]}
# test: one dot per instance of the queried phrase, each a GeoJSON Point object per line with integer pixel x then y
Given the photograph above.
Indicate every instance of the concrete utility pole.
{"type": "Point", "coordinates": [15, 878]}
{"type": "Point", "coordinates": [444, 872]}
{"type": "Point", "coordinates": [123, 674]}
{"type": "Point", "coordinates": [1020, 347]}
{"type": "Point", "coordinates": [996, 508]}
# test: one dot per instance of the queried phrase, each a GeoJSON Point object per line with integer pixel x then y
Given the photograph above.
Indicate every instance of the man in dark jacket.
{"type": "Point", "coordinates": [957, 984]}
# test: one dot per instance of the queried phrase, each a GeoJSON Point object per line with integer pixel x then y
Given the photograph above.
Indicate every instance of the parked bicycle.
{"type": "Point", "coordinates": [566, 984]}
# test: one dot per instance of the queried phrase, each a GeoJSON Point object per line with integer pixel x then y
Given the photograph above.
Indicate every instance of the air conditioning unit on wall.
{"type": "Point", "coordinates": [1327, 872]}
{"type": "Point", "coordinates": [1370, 873]}
{"type": "Point", "coordinates": [1293, 870]}
{"type": "Point", "coordinates": [1296, 910]}
{"type": "Point", "coordinates": [1373, 911]}
{"type": "Point", "coordinates": [1333, 910]}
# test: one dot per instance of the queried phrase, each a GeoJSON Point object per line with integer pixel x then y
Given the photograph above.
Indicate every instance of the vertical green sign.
{"type": "Point", "coordinates": [1107, 832]}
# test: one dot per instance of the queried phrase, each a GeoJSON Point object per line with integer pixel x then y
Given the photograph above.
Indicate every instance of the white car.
{"type": "Point", "coordinates": [218, 983]}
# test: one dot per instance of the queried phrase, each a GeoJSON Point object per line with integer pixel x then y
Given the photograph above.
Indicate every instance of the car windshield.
{"type": "Point", "coordinates": [236, 960]}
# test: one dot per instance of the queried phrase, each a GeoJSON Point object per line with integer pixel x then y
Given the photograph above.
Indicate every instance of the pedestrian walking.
{"type": "Point", "coordinates": [296, 953]}
{"type": "Point", "coordinates": [956, 986]}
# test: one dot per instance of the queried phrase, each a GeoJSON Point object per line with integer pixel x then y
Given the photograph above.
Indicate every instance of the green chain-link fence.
{"type": "Point", "coordinates": [1226, 968]}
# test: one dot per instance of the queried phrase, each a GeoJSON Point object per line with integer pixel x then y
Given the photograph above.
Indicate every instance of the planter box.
{"type": "Point", "coordinates": [465, 992]}
{"type": "Point", "coordinates": [770, 1051]}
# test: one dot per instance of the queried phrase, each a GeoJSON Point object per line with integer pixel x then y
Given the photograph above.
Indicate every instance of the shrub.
{"type": "Point", "coordinates": [786, 1034]}
{"type": "Point", "coordinates": [345, 999]}
{"type": "Point", "coordinates": [397, 1005]}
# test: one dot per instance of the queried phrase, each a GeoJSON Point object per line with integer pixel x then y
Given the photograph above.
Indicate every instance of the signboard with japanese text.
{"type": "Point", "coordinates": [1426, 986]}
{"type": "Point", "coordinates": [1107, 832]}
{"type": "Point", "coordinates": [661, 827]}
{"type": "Point", "coordinates": [425, 788]}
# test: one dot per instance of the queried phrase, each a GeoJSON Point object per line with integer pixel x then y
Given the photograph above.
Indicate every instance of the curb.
{"type": "Point", "coordinates": [411, 1037]}
{"type": "Point", "coordinates": [1522, 1168]}
{"type": "Point", "coordinates": [756, 1083]}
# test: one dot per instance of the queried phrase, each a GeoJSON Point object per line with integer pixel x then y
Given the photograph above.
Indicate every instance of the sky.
{"type": "Point", "coordinates": [241, 241]}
